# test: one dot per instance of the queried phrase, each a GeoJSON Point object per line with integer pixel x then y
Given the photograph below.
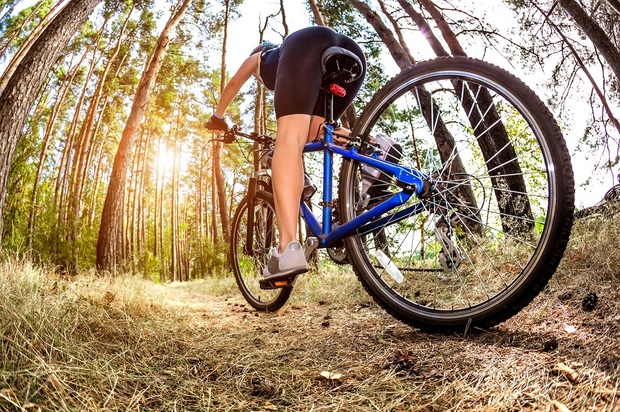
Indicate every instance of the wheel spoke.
{"type": "Point", "coordinates": [498, 211]}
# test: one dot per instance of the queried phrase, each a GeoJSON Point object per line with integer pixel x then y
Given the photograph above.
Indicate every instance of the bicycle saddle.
{"type": "Point", "coordinates": [340, 65]}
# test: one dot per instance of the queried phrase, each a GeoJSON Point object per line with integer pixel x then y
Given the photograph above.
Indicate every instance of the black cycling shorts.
{"type": "Point", "coordinates": [298, 76]}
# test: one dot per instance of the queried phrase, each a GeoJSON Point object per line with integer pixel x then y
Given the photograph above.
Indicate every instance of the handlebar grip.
{"type": "Point", "coordinates": [229, 136]}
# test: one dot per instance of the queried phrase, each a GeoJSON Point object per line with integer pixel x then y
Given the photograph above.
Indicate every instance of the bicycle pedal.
{"type": "Point", "coordinates": [269, 284]}
{"type": "Point", "coordinates": [309, 246]}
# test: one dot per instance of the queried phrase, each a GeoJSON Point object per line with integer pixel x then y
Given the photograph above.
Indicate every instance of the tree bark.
{"type": "Point", "coordinates": [112, 219]}
{"type": "Point", "coordinates": [28, 44]}
{"type": "Point", "coordinates": [71, 145]}
{"type": "Point", "coordinates": [284, 23]}
{"type": "Point", "coordinates": [497, 149]}
{"type": "Point", "coordinates": [63, 90]}
{"type": "Point", "coordinates": [446, 31]}
{"type": "Point", "coordinates": [174, 219]}
{"type": "Point", "coordinates": [316, 13]}
{"type": "Point", "coordinates": [220, 185]}
{"type": "Point", "coordinates": [399, 33]}
{"type": "Point", "coordinates": [595, 33]}
{"type": "Point", "coordinates": [24, 85]}
{"type": "Point", "coordinates": [424, 28]}
{"type": "Point", "coordinates": [139, 218]}
{"type": "Point", "coordinates": [97, 181]}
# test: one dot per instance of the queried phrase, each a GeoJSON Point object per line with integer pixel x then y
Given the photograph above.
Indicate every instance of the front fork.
{"type": "Point", "coordinates": [249, 232]}
{"type": "Point", "coordinates": [259, 178]}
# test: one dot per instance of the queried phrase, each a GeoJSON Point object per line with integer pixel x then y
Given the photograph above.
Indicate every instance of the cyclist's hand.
{"type": "Point", "coordinates": [215, 123]}
{"type": "Point", "coordinates": [229, 136]}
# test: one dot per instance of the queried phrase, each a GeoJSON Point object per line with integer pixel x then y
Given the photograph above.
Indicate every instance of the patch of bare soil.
{"type": "Point", "coordinates": [562, 353]}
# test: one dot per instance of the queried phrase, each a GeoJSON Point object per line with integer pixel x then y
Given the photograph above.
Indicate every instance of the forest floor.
{"type": "Point", "coordinates": [129, 344]}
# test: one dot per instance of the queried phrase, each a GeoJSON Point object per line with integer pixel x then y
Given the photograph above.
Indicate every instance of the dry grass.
{"type": "Point", "coordinates": [126, 344]}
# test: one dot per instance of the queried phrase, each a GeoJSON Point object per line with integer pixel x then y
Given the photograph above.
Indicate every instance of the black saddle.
{"type": "Point", "coordinates": [340, 66]}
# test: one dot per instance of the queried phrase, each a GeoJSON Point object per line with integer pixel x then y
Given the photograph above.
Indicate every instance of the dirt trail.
{"type": "Point", "coordinates": [553, 356]}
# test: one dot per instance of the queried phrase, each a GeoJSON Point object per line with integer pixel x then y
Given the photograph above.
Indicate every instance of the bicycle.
{"type": "Point", "coordinates": [607, 207]}
{"type": "Point", "coordinates": [467, 225]}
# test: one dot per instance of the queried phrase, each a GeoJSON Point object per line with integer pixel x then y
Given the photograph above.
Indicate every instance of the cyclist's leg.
{"type": "Point", "coordinates": [315, 130]}
{"type": "Point", "coordinates": [287, 169]}
{"type": "Point", "coordinates": [297, 87]}
{"type": "Point", "coordinates": [287, 177]}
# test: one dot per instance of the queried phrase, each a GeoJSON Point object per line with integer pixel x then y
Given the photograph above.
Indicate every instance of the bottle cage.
{"type": "Point", "coordinates": [340, 66]}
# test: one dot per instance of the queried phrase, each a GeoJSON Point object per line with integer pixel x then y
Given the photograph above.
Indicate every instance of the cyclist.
{"type": "Point", "coordinates": [293, 70]}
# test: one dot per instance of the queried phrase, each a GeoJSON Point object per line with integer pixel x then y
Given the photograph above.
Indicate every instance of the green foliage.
{"type": "Point", "coordinates": [151, 267]}
{"type": "Point", "coordinates": [210, 260]}
{"type": "Point", "coordinates": [13, 24]}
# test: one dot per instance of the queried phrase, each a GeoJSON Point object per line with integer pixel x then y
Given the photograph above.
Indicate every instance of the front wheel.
{"type": "Point", "coordinates": [490, 230]}
{"type": "Point", "coordinates": [249, 254]}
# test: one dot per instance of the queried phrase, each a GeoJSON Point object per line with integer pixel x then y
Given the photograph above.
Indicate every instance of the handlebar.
{"type": "Point", "coordinates": [265, 140]}
{"type": "Point", "coordinates": [231, 135]}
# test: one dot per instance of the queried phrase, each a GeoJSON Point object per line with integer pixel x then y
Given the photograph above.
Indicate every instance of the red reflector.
{"type": "Point", "coordinates": [337, 90]}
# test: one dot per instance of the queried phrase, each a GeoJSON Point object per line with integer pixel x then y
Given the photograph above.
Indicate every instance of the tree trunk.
{"type": "Point", "coordinates": [63, 183]}
{"type": "Point", "coordinates": [24, 85]}
{"type": "Point", "coordinates": [156, 205]}
{"type": "Point", "coordinates": [399, 33]}
{"type": "Point", "coordinates": [139, 218]}
{"type": "Point", "coordinates": [30, 41]}
{"type": "Point", "coordinates": [316, 13]}
{"type": "Point", "coordinates": [284, 23]}
{"type": "Point", "coordinates": [214, 232]}
{"type": "Point", "coordinates": [424, 28]}
{"type": "Point", "coordinates": [162, 226]}
{"type": "Point", "coordinates": [97, 181]}
{"type": "Point", "coordinates": [49, 128]}
{"type": "Point", "coordinates": [595, 33]}
{"type": "Point", "coordinates": [497, 149]}
{"type": "Point", "coordinates": [112, 218]}
{"type": "Point", "coordinates": [62, 180]}
{"type": "Point", "coordinates": [200, 201]}
{"type": "Point", "coordinates": [584, 68]}
{"type": "Point", "coordinates": [220, 185]}
{"type": "Point", "coordinates": [174, 210]}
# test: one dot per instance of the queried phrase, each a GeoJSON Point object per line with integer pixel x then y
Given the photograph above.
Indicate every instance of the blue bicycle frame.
{"type": "Point", "coordinates": [410, 180]}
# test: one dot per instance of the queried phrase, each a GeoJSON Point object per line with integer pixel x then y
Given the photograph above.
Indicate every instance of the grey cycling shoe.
{"type": "Point", "coordinates": [288, 263]}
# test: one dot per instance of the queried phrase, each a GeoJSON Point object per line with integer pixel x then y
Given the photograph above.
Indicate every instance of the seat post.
{"type": "Point", "coordinates": [329, 118]}
{"type": "Point", "coordinates": [328, 138]}
{"type": "Point", "coordinates": [329, 115]}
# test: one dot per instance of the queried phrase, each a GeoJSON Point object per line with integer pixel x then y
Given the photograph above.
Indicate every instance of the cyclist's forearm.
{"type": "Point", "coordinates": [230, 92]}
{"type": "Point", "coordinates": [234, 85]}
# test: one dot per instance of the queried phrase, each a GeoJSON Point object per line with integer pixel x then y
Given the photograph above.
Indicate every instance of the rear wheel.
{"type": "Point", "coordinates": [490, 232]}
{"type": "Point", "coordinates": [249, 260]}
